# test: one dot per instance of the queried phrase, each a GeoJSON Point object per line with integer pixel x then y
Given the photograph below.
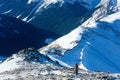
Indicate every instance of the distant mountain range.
{"type": "Point", "coordinates": [58, 16]}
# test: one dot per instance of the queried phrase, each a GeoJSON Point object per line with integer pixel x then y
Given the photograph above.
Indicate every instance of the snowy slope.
{"type": "Point", "coordinates": [20, 60]}
{"type": "Point", "coordinates": [93, 45]}
{"type": "Point", "coordinates": [13, 64]}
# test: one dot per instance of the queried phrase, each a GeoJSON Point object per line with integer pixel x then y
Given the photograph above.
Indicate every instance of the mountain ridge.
{"type": "Point", "coordinates": [94, 33]}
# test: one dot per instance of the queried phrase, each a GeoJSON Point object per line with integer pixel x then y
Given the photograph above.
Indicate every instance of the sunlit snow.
{"type": "Point", "coordinates": [8, 64]}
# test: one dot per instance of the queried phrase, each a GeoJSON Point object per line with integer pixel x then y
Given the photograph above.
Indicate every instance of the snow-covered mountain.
{"type": "Point", "coordinates": [94, 44]}
{"type": "Point", "coordinates": [58, 14]}
{"type": "Point", "coordinates": [93, 40]}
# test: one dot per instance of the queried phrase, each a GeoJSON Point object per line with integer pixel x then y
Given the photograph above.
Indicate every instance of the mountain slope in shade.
{"type": "Point", "coordinates": [16, 35]}
{"type": "Point", "coordinates": [58, 14]}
